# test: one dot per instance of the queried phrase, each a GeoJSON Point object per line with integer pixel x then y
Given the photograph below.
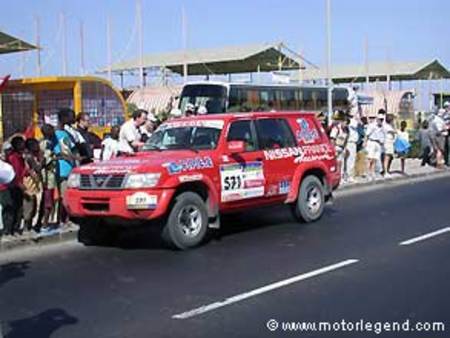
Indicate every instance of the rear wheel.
{"type": "Point", "coordinates": [310, 202]}
{"type": "Point", "coordinates": [95, 232]}
{"type": "Point", "coordinates": [187, 223]}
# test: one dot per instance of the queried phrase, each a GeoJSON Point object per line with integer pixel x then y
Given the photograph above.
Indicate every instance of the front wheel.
{"type": "Point", "coordinates": [311, 200]}
{"type": "Point", "coordinates": [187, 223]}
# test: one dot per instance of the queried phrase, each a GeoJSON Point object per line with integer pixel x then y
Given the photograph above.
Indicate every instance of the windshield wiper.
{"type": "Point", "coordinates": [190, 147]}
{"type": "Point", "coordinates": [152, 147]}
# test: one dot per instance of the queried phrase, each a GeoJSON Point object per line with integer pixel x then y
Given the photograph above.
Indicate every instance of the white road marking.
{"type": "Point", "coordinates": [426, 236]}
{"type": "Point", "coordinates": [261, 290]}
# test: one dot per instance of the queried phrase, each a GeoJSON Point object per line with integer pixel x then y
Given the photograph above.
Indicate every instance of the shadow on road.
{"type": "Point", "coordinates": [42, 325]}
{"type": "Point", "coordinates": [149, 237]}
{"type": "Point", "coordinates": [12, 271]}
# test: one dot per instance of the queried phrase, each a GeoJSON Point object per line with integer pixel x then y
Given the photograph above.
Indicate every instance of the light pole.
{"type": "Point", "coordinates": [329, 82]}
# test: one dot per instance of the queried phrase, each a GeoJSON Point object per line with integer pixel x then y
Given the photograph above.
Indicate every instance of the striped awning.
{"type": "Point", "coordinates": [154, 99]}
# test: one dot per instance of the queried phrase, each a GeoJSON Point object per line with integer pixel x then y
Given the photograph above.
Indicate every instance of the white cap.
{"type": "Point", "coordinates": [190, 107]}
{"type": "Point", "coordinates": [151, 117]}
{"type": "Point", "coordinates": [446, 104]}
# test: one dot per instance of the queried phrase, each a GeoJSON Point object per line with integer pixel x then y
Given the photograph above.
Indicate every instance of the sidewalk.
{"type": "Point", "coordinates": [414, 171]}
{"type": "Point", "coordinates": [36, 239]}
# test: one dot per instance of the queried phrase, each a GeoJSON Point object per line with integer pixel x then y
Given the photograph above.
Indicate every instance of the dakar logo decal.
{"type": "Point", "coordinates": [306, 134]}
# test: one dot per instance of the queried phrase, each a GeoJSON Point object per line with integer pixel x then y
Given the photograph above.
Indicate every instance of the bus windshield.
{"type": "Point", "coordinates": [211, 97]}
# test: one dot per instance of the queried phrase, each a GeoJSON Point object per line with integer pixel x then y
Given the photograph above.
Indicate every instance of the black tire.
{"type": "Point", "coordinates": [311, 200]}
{"type": "Point", "coordinates": [189, 208]}
{"type": "Point", "coordinates": [94, 232]}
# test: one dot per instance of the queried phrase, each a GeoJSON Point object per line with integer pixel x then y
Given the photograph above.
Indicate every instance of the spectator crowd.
{"type": "Point", "coordinates": [34, 172]}
{"type": "Point", "coordinates": [367, 146]}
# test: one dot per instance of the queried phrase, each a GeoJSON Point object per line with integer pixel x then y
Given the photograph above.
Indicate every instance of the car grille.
{"type": "Point", "coordinates": [101, 182]}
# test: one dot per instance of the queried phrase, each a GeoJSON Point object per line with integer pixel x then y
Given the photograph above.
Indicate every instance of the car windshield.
{"type": "Point", "coordinates": [192, 137]}
{"type": "Point", "coordinates": [210, 97]}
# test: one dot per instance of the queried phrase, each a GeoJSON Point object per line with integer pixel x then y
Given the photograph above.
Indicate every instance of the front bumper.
{"type": "Point", "coordinates": [113, 203]}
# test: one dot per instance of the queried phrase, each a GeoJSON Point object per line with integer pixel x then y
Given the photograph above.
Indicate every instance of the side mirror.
{"type": "Point", "coordinates": [235, 147]}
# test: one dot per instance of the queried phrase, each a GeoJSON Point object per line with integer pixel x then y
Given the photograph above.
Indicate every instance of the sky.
{"type": "Point", "coordinates": [398, 30]}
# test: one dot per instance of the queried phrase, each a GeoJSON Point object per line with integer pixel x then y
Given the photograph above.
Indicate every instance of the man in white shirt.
{"type": "Point", "coordinates": [353, 137]}
{"type": "Point", "coordinates": [129, 136]}
{"type": "Point", "coordinates": [6, 172]}
{"type": "Point", "coordinates": [375, 140]}
{"type": "Point", "coordinates": [439, 132]}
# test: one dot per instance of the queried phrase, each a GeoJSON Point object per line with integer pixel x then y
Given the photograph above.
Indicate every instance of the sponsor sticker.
{"type": "Point", "coordinates": [276, 154]}
{"type": "Point", "coordinates": [190, 178]}
{"type": "Point", "coordinates": [216, 124]}
{"type": "Point", "coordinates": [306, 133]}
{"type": "Point", "coordinates": [316, 152]}
{"type": "Point", "coordinates": [284, 187]}
{"type": "Point", "coordinates": [141, 200]}
{"type": "Point", "coordinates": [241, 181]}
{"type": "Point", "coordinates": [189, 164]}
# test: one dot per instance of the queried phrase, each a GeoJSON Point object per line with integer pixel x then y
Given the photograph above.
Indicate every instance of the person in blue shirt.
{"type": "Point", "coordinates": [66, 151]}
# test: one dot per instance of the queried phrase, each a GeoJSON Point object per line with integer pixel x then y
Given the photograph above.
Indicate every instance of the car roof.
{"type": "Point", "coordinates": [232, 116]}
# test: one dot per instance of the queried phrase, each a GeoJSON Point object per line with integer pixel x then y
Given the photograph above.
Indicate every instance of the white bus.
{"type": "Point", "coordinates": [220, 97]}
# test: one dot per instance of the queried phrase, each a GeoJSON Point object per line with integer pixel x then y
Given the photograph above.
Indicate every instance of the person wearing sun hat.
{"type": "Point", "coordinates": [375, 137]}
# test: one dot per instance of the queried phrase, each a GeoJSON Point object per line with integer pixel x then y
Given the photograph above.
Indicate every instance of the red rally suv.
{"type": "Point", "coordinates": [193, 169]}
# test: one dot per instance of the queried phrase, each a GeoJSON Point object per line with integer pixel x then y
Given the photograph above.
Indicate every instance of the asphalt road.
{"type": "Point", "coordinates": [348, 266]}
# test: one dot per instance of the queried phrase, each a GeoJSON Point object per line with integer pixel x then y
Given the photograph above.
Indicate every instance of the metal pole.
{"type": "Point", "coordinates": [108, 42]}
{"type": "Point", "coordinates": [366, 60]}
{"type": "Point", "coordinates": [329, 82]}
{"type": "Point", "coordinates": [82, 68]}
{"type": "Point", "coordinates": [141, 43]}
{"type": "Point", "coordinates": [441, 89]}
{"type": "Point", "coordinates": [64, 47]}
{"type": "Point", "coordinates": [38, 45]}
{"type": "Point", "coordinates": [184, 37]}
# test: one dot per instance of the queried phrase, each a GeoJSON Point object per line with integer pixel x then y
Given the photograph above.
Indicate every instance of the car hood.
{"type": "Point", "coordinates": [153, 161]}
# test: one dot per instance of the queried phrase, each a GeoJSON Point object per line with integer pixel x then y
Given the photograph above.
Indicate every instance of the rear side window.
{"type": "Point", "coordinates": [242, 131]}
{"type": "Point", "coordinates": [274, 133]}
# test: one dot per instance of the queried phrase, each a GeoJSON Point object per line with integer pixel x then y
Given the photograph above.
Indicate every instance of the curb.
{"type": "Point", "coordinates": [355, 187]}
{"type": "Point", "coordinates": [70, 235]}
{"type": "Point", "coordinates": [39, 241]}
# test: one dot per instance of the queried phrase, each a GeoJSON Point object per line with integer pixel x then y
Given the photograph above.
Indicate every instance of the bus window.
{"type": "Point", "coordinates": [307, 99]}
{"type": "Point", "coordinates": [299, 98]}
{"type": "Point", "coordinates": [212, 97]}
{"type": "Point", "coordinates": [291, 101]}
{"type": "Point", "coordinates": [340, 96]}
{"type": "Point", "coordinates": [264, 100]}
{"type": "Point", "coordinates": [322, 100]}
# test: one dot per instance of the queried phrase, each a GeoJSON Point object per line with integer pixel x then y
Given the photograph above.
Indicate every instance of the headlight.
{"type": "Point", "coordinates": [136, 181]}
{"type": "Point", "coordinates": [73, 181]}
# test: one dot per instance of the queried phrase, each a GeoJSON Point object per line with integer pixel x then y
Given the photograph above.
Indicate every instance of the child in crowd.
{"type": "Point", "coordinates": [403, 134]}
{"type": "Point", "coordinates": [48, 174]}
{"type": "Point", "coordinates": [6, 204]}
{"type": "Point", "coordinates": [16, 187]}
{"type": "Point", "coordinates": [32, 182]}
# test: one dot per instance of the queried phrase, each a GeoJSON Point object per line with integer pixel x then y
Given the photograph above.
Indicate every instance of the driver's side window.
{"type": "Point", "coordinates": [242, 131]}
